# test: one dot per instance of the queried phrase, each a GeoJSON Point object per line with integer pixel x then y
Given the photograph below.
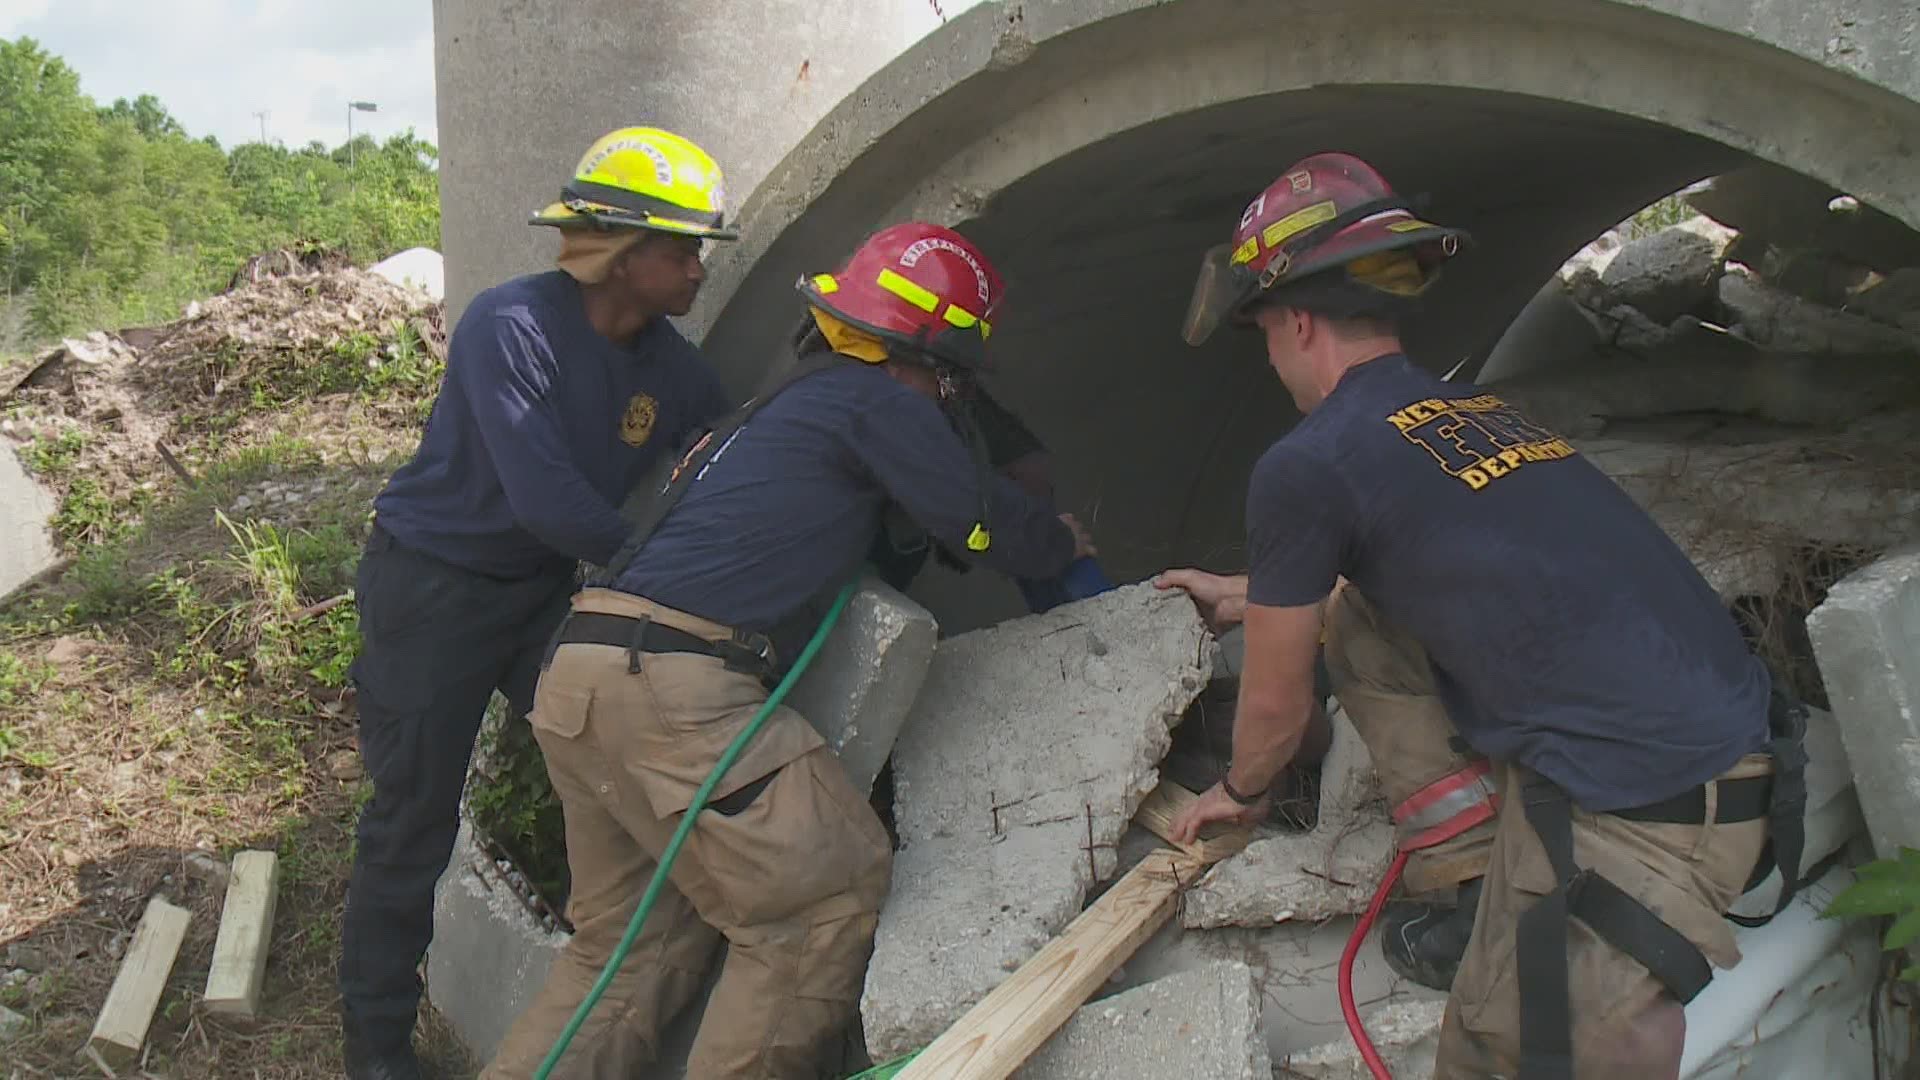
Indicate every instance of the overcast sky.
{"type": "Point", "coordinates": [214, 63]}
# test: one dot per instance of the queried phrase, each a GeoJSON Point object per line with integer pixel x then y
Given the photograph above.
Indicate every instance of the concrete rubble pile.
{"type": "Point", "coordinates": [1750, 375]}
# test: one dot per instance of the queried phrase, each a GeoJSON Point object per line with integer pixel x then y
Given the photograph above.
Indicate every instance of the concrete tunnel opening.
{"type": "Point", "coordinates": [1152, 441]}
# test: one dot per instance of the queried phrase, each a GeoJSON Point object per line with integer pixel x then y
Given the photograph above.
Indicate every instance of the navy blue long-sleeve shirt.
{"type": "Point", "coordinates": [792, 502]}
{"type": "Point", "coordinates": [541, 429]}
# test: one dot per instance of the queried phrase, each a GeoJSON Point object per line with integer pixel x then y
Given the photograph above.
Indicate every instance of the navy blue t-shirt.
{"type": "Point", "coordinates": [541, 430]}
{"type": "Point", "coordinates": [791, 503]}
{"type": "Point", "coordinates": [1566, 631]}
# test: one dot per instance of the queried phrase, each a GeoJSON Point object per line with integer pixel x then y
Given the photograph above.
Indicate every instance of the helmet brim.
{"type": "Point", "coordinates": [559, 215]}
{"type": "Point", "coordinates": [1224, 291]}
{"type": "Point", "coordinates": [972, 360]}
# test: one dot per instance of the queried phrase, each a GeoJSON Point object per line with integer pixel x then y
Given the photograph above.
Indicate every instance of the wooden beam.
{"type": "Point", "coordinates": [122, 1025]}
{"type": "Point", "coordinates": [1156, 816]}
{"type": "Point", "coordinates": [997, 1035]}
{"type": "Point", "coordinates": [246, 928]}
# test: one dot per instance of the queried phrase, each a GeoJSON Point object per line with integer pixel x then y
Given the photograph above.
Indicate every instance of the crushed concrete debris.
{"type": "Point", "coordinates": [862, 685]}
{"type": "Point", "coordinates": [1330, 870]}
{"type": "Point", "coordinates": [1406, 1033]}
{"type": "Point", "coordinates": [1022, 763]}
{"type": "Point", "coordinates": [1894, 301]}
{"type": "Point", "coordinates": [1200, 1023]}
{"type": "Point", "coordinates": [1778, 208]}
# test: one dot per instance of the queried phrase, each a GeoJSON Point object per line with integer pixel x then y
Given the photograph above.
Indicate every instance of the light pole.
{"type": "Point", "coordinates": [353, 107]}
{"type": "Point", "coordinates": [263, 114]}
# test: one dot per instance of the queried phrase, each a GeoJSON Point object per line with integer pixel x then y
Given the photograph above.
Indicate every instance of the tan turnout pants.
{"type": "Point", "coordinates": [1625, 1023]}
{"type": "Point", "coordinates": [791, 883]}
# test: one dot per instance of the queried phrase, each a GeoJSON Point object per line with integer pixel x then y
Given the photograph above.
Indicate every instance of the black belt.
{"type": "Point", "coordinates": [748, 653]}
{"type": "Point", "coordinates": [1739, 800]}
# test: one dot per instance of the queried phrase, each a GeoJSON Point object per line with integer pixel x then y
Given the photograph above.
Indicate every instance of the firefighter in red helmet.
{"type": "Point", "coordinates": [669, 653]}
{"type": "Point", "coordinates": [1582, 754]}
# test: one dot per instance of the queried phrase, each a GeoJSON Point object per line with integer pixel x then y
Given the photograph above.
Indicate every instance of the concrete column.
{"type": "Point", "coordinates": [526, 85]}
{"type": "Point", "coordinates": [1866, 636]}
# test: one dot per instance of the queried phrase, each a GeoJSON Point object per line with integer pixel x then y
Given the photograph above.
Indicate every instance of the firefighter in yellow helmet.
{"type": "Point", "coordinates": [561, 389]}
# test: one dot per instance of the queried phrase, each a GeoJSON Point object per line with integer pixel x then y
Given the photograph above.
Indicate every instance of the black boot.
{"type": "Point", "coordinates": [365, 1061]}
{"type": "Point", "coordinates": [1425, 942]}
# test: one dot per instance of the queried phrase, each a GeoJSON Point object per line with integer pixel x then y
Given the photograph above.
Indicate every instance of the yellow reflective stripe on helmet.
{"type": "Point", "coordinates": [979, 539]}
{"type": "Point", "coordinates": [1410, 226]}
{"type": "Point", "coordinates": [964, 319]}
{"type": "Point", "coordinates": [1245, 252]}
{"type": "Point", "coordinates": [826, 284]}
{"type": "Point", "coordinates": [907, 290]}
{"type": "Point", "coordinates": [1299, 221]}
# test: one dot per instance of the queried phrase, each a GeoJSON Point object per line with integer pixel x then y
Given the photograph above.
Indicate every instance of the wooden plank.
{"type": "Point", "coordinates": [246, 927]}
{"type": "Point", "coordinates": [1009, 1024]}
{"type": "Point", "coordinates": [122, 1025]}
{"type": "Point", "coordinates": [1216, 842]}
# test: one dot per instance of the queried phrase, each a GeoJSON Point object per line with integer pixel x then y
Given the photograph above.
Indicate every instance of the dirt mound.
{"type": "Point", "coordinates": [343, 360]}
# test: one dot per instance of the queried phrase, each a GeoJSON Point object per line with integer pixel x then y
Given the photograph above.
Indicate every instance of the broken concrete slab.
{"type": "Point", "coordinates": [1894, 301]}
{"type": "Point", "coordinates": [1330, 870]}
{"type": "Point", "coordinates": [1866, 636]}
{"type": "Point", "coordinates": [1200, 1023]}
{"type": "Point", "coordinates": [26, 545]}
{"type": "Point", "coordinates": [489, 954]}
{"type": "Point", "coordinates": [1029, 749]}
{"type": "Point", "coordinates": [1671, 272]}
{"type": "Point", "coordinates": [1407, 1034]}
{"type": "Point", "coordinates": [862, 684]}
{"type": "Point", "coordinates": [1781, 320]}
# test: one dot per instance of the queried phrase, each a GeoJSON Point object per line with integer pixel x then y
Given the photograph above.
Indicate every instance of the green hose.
{"type": "Point", "coordinates": [659, 882]}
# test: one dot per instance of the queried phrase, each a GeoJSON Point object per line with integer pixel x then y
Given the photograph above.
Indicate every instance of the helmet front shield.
{"type": "Point", "coordinates": [1222, 286]}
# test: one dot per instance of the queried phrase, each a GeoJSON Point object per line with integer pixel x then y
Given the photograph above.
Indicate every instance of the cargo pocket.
{"type": "Point", "coordinates": [1486, 989]}
{"type": "Point", "coordinates": [560, 710]}
{"type": "Point", "coordinates": [797, 848]}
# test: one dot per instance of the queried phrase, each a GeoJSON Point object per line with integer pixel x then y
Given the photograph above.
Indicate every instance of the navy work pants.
{"type": "Point", "coordinates": [435, 642]}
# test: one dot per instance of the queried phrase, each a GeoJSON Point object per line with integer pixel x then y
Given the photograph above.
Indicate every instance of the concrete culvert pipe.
{"type": "Point", "coordinates": [1095, 149]}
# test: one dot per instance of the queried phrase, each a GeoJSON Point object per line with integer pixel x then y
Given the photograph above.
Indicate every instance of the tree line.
{"type": "Point", "coordinates": [115, 216]}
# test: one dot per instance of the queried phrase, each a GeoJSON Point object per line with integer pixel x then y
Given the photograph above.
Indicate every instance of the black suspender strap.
{"type": "Point", "coordinates": [1546, 1012]}
{"type": "Point", "coordinates": [1540, 943]}
{"type": "Point", "coordinates": [698, 458]}
{"type": "Point", "coordinates": [1787, 810]}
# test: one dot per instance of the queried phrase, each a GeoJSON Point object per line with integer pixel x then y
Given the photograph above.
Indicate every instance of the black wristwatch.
{"type": "Point", "coordinates": [1226, 785]}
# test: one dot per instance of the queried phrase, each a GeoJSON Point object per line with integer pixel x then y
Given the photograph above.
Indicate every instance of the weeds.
{"type": "Point", "coordinates": [53, 458]}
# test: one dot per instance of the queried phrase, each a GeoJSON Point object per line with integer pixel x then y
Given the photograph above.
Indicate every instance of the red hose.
{"type": "Point", "coordinates": [1347, 1008]}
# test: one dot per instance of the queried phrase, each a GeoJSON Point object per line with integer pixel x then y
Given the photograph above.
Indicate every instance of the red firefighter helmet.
{"type": "Point", "coordinates": [1328, 211]}
{"type": "Point", "coordinates": [920, 286]}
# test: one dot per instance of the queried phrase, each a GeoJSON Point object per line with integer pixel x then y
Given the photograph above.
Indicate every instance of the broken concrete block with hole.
{"type": "Point", "coordinates": [1200, 1023]}
{"type": "Point", "coordinates": [1406, 1033]}
{"type": "Point", "coordinates": [1329, 870]}
{"type": "Point", "coordinates": [1030, 747]}
{"type": "Point", "coordinates": [860, 687]}
{"type": "Point", "coordinates": [1671, 272]}
{"type": "Point", "coordinates": [1866, 636]}
{"type": "Point", "coordinates": [489, 954]}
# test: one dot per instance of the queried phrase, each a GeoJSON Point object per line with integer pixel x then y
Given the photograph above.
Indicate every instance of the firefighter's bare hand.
{"type": "Point", "coordinates": [1222, 601]}
{"type": "Point", "coordinates": [1082, 539]}
{"type": "Point", "coordinates": [1214, 807]}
